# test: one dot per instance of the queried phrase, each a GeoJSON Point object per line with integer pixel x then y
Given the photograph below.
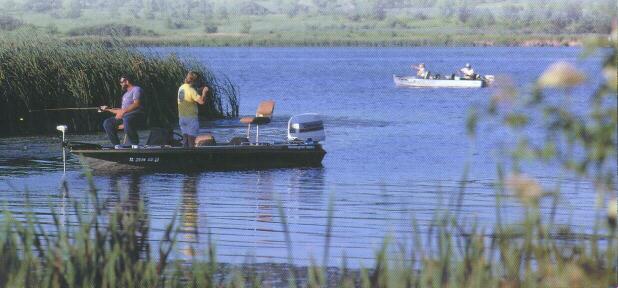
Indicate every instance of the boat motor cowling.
{"type": "Point", "coordinates": [306, 127]}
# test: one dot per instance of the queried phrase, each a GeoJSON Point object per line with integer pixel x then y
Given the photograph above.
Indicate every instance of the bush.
{"type": "Point", "coordinates": [354, 17]}
{"type": "Point", "coordinates": [211, 28]}
{"type": "Point", "coordinates": [482, 19]}
{"type": "Point", "coordinates": [110, 30]}
{"type": "Point", "coordinates": [174, 24]}
{"type": "Point", "coordinates": [9, 23]}
{"type": "Point", "coordinates": [420, 16]}
{"type": "Point", "coordinates": [245, 27]}
{"type": "Point", "coordinates": [397, 23]}
{"type": "Point", "coordinates": [52, 29]}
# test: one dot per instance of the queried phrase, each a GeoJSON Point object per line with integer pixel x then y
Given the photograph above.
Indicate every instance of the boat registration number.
{"type": "Point", "coordinates": [143, 159]}
{"type": "Point", "coordinates": [301, 147]}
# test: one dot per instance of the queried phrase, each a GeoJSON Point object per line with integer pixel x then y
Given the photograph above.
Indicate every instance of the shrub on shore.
{"type": "Point", "coordinates": [122, 30]}
{"type": "Point", "coordinates": [42, 73]}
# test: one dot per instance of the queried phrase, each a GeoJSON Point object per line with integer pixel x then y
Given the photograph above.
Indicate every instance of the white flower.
{"type": "Point", "coordinates": [525, 188]}
{"type": "Point", "coordinates": [561, 75]}
{"type": "Point", "coordinates": [611, 75]}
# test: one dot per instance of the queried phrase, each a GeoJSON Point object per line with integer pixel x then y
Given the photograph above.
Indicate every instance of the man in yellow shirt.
{"type": "Point", "coordinates": [188, 99]}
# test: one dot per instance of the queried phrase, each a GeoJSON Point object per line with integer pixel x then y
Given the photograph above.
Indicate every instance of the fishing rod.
{"type": "Point", "coordinates": [99, 109]}
{"type": "Point", "coordinates": [66, 109]}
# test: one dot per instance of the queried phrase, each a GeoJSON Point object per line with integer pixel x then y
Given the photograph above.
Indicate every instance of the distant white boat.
{"type": "Point", "coordinates": [412, 81]}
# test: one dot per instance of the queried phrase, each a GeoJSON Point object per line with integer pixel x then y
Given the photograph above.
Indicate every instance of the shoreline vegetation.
{"type": "Point", "coordinates": [335, 40]}
{"type": "Point", "coordinates": [315, 22]}
{"type": "Point", "coordinates": [46, 73]}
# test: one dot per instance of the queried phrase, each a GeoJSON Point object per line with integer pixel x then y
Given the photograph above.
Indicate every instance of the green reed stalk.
{"type": "Point", "coordinates": [41, 72]}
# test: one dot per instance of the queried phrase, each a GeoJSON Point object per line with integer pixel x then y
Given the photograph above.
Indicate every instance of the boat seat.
{"type": "Point", "coordinates": [239, 141]}
{"type": "Point", "coordinates": [126, 137]}
{"type": "Point", "coordinates": [160, 136]}
{"type": "Point", "coordinates": [263, 115]}
{"type": "Point", "coordinates": [205, 140]}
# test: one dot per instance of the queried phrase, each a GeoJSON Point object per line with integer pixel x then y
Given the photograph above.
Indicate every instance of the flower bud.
{"type": "Point", "coordinates": [561, 75]}
{"type": "Point", "coordinates": [612, 211]}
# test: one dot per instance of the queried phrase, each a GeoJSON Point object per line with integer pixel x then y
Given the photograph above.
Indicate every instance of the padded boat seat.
{"type": "Point", "coordinates": [263, 115]}
{"type": "Point", "coordinates": [255, 120]}
{"type": "Point", "coordinates": [205, 140]}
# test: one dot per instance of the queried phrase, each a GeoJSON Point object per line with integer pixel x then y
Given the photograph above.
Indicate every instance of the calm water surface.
{"type": "Point", "coordinates": [393, 154]}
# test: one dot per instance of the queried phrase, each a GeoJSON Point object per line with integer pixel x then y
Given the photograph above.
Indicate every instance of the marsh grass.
{"type": "Point", "coordinates": [42, 72]}
{"type": "Point", "coordinates": [350, 38]}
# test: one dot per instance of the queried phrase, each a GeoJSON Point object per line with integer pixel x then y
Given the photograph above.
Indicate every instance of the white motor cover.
{"type": "Point", "coordinates": [306, 127]}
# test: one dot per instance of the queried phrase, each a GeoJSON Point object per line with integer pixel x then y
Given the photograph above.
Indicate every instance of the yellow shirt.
{"type": "Point", "coordinates": [187, 101]}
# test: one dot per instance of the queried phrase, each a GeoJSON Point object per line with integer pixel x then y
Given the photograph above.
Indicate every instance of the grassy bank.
{"type": "Point", "coordinates": [350, 39]}
{"type": "Point", "coordinates": [42, 73]}
{"type": "Point", "coordinates": [316, 23]}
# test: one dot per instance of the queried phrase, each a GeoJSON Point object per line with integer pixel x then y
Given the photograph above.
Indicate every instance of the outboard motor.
{"type": "Point", "coordinates": [306, 128]}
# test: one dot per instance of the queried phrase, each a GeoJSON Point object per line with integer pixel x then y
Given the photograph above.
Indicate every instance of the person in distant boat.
{"type": "Point", "coordinates": [421, 72]}
{"type": "Point", "coordinates": [468, 72]}
{"type": "Point", "coordinates": [130, 114]}
{"type": "Point", "coordinates": [188, 99]}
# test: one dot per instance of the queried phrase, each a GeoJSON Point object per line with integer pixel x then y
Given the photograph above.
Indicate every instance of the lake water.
{"type": "Point", "coordinates": [393, 154]}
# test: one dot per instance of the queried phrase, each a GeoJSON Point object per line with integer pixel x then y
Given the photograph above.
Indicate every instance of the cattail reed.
{"type": "Point", "coordinates": [43, 73]}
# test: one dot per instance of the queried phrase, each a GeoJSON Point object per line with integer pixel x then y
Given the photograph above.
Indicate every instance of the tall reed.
{"type": "Point", "coordinates": [41, 73]}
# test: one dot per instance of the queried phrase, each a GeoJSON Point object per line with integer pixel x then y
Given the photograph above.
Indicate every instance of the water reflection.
{"type": "Point", "coordinates": [264, 201]}
{"type": "Point", "coordinates": [308, 184]}
{"type": "Point", "coordinates": [189, 215]}
{"type": "Point", "coordinates": [127, 195]}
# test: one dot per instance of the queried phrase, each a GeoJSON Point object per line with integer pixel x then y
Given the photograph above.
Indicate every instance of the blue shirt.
{"type": "Point", "coordinates": [131, 96]}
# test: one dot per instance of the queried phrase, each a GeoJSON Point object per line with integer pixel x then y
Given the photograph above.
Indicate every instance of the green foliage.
{"type": "Point", "coordinates": [9, 23]}
{"type": "Point", "coordinates": [246, 27]}
{"type": "Point", "coordinates": [171, 19]}
{"type": "Point", "coordinates": [117, 30]}
{"type": "Point", "coordinates": [211, 27]}
{"type": "Point", "coordinates": [45, 73]}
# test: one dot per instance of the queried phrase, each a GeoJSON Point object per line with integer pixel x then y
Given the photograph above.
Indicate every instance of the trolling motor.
{"type": "Point", "coordinates": [63, 129]}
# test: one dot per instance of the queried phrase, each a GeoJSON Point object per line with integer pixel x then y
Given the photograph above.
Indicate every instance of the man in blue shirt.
{"type": "Point", "coordinates": [130, 114]}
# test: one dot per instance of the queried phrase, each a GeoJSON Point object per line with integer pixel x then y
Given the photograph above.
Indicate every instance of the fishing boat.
{"type": "Point", "coordinates": [412, 81]}
{"type": "Point", "coordinates": [303, 148]}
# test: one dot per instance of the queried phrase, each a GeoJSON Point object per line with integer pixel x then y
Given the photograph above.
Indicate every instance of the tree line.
{"type": "Point", "coordinates": [548, 16]}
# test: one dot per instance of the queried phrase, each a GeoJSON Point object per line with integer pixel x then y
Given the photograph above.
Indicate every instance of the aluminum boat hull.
{"type": "Point", "coordinates": [216, 157]}
{"type": "Point", "coordinates": [411, 81]}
